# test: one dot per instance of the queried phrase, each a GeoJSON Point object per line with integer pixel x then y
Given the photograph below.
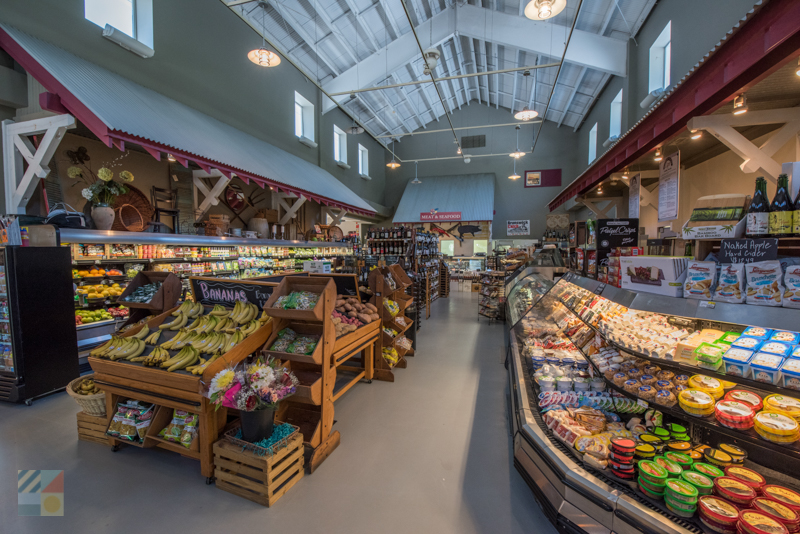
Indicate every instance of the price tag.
{"type": "Point", "coordinates": [97, 262]}
{"type": "Point", "coordinates": [707, 304]}
{"type": "Point", "coordinates": [642, 403]}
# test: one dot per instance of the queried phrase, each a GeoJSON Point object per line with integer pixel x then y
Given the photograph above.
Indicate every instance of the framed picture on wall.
{"type": "Point", "coordinates": [533, 178]}
{"type": "Point", "coordinates": [543, 178]}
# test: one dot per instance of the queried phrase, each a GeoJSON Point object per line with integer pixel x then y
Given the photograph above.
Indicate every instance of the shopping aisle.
{"type": "Point", "coordinates": [429, 453]}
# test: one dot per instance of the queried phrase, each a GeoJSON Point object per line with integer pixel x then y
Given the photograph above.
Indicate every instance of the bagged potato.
{"type": "Point", "coordinates": [730, 287]}
{"type": "Point", "coordinates": [791, 297]}
{"type": "Point", "coordinates": [701, 278]}
{"type": "Point", "coordinates": [764, 287]}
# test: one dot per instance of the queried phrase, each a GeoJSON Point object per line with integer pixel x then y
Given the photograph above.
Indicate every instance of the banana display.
{"type": "Point", "coordinates": [86, 387]}
{"type": "Point", "coordinates": [212, 334]}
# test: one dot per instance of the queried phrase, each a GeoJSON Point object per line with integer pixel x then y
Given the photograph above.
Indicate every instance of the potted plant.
{"type": "Point", "coordinates": [101, 192]}
{"type": "Point", "coordinates": [255, 390]}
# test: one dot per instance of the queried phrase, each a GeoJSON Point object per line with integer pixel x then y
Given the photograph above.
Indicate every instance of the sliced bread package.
{"type": "Point", "coordinates": [764, 283]}
{"type": "Point", "coordinates": [701, 280]}
{"type": "Point", "coordinates": [731, 285]}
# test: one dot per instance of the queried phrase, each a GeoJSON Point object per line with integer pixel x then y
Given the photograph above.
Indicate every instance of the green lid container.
{"type": "Point", "coordinates": [700, 481]}
{"type": "Point", "coordinates": [661, 432]}
{"type": "Point", "coordinates": [673, 468]}
{"type": "Point", "coordinates": [652, 472]}
{"type": "Point", "coordinates": [647, 491]}
{"type": "Point", "coordinates": [679, 512]}
{"type": "Point", "coordinates": [711, 471]}
{"type": "Point", "coordinates": [681, 491]}
{"type": "Point", "coordinates": [653, 488]}
{"type": "Point", "coordinates": [689, 508]}
{"type": "Point", "coordinates": [684, 460]}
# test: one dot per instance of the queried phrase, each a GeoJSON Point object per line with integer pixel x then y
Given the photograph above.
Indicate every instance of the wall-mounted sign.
{"type": "Point", "coordinates": [669, 179]}
{"type": "Point", "coordinates": [518, 228]}
{"type": "Point", "coordinates": [634, 199]}
{"type": "Point", "coordinates": [543, 178]}
{"type": "Point", "coordinates": [748, 250]}
{"type": "Point", "coordinates": [434, 215]}
{"type": "Point", "coordinates": [615, 233]}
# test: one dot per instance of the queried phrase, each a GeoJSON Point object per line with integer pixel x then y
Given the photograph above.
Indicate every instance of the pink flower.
{"type": "Point", "coordinates": [229, 400]}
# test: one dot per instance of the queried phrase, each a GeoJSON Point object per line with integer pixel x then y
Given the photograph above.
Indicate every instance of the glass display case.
{"type": "Point", "coordinates": [525, 294]}
{"type": "Point", "coordinates": [612, 389]}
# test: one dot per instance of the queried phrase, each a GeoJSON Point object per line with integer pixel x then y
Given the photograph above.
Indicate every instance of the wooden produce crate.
{"type": "Point", "coordinates": [301, 328]}
{"type": "Point", "coordinates": [261, 479]}
{"type": "Point", "coordinates": [92, 428]}
{"type": "Point", "coordinates": [476, 288]}
{"type": "Point", "coordinates": [293, 283]}
{"type": "Point", "coordinates": [165, 298]}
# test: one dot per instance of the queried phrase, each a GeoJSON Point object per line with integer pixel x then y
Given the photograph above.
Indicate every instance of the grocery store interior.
{"type": "Point", "coordinates": [503, 267]}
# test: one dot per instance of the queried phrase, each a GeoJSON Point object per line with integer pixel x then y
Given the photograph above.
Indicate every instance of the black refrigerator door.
{"type": "Point", "coordinates": [42, 313]}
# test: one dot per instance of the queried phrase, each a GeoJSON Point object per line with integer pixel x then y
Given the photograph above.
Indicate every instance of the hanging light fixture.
{"type": "Point", "coordinates": [393, 164]}
{"type": "Point", "coordinates": [658, 156]}
{"type": "Point", "coordinates": [416, 174]}
{"type": "Point", "coordinates": [696, 134]}
{"type": "Point", "coordinates": [170, 157]}
{"type": "Point", "coordinates": [458, 151]}
{"type": "Point", "coordinates": [740, 104]}
{"type": "Point", "coordinates": [518, 153]}
{"type": "Point", "coordinates": [262, 56]}
{"type": "Point", "coordinates": [544, 9]}
{"type": "Point", "coordinates": [798, 67]}
{"type": "Point", "coordinates": [526, 114]}
{"type": "Point", "coordinates": [356, 128]}
{"type": "Point", "coordinates": [625, 174]}
{"type": "Point", "coordinates": [514, 176]}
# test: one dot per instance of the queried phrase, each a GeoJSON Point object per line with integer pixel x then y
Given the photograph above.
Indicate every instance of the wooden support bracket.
{"type": "Point", "coordinates": [211, 196]}
{"type": "Point", "coordinates": [291, 210]}
{"type": "Point", "coordinates": [336, 218]}
{"type": "Point", "coordinates": [20, 183]}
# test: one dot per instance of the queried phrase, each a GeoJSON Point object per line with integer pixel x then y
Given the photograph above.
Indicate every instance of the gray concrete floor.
{"type": "Point", "coordinates": [428, 453]}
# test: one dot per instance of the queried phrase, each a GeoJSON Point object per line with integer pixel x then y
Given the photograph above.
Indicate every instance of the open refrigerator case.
{"type": "Point", "coordinates": [580, 433]}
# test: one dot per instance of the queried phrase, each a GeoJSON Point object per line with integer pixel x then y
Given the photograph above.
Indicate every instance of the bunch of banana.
{"type": "Point", "coordinates": [177, 324]}
{"type": "Point", "coordinates": [141, 334]}
{"type": "Point", "coordinates": [196, 311]}
{"type": "Point", "coordinates": [185, 307]}
{"type": "Point", "coordinates": [224, 324]}
{"type": "Point", "coordinates": [233, 340]}
{"type": "Point", "coordinates": [187, 338]}
{"type": "Point", "coordinates": [219, 311]}
{"type": "Point", "coordinates": [251, 327]}
{"type": "Point", "coordinates": [206, 324]}
{"type": "Point", "coordinates": [264, 317]}
{"type": "Point", "coordinates": [215, 342]}
{"type": "Point", "coordinates": [186, 357]}
{"type": "Point", "coordinates": [87, 387]}
{"type": "Point", "coordinates": [130, 347]}
{"type": "Point", "coordinates": [152, 339]}
{"type": "Point", "coordinates": [198, 369]}
{"type": "Point", "coordinates": [244, 312]}
{"type": "Point", "coordinates": [155, 358]}
{"type": "Point", "coordinates": [172, 344]}
{"type": "Point", "coordinates": [105, 348]}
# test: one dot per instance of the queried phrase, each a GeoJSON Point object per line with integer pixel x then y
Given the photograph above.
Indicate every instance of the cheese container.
{"type": "Point", "coordinates": [672, 467]}
{"type": "Point", "coordinates": [703, 484]}
{"type": "Point", "coordinates": [747, 397]}
{"type": "Point", "coordinates": [783, 495]}
{"type": "Point", "coordinates": [757, 332]}
{"type": "Point", "coordinates": [734, 491]}
{"type": "Point", "coordinates": [777, 511]}
{"type": "Point", "coordinates": [696, 402]}
{"type": "Point", "coordinates": [738, 454]}
{"type": "Point", "coordinates": [709, 353]}
{"type": "Point", "coordinates": [734, 414]}
{"type": "Point", "coordinates": [783, 404]}
{"type": "Point", "coordinates": [790, 374]}
{"type": "Point", "coordinates": [652, 472]}
{"type": "Point", "coordinates": [795, 352]}
{"type": "Point", "coordinates": [745, 342]}
{"type": "Point", "coordinates": [712, 386]}
{"type": "Point", "coordinates": [747, 476]}
{"type": "Point", "coordinates": [728, 337]}
{"type": "Point", "coordinates": [737, 361]}
{"type": "Point", "coordinates": [718, 510]}
{"type": "Point", "coordinates": [709, 470]}
{"type": "Point", "coordinates": [776, 347]}
{"type": "Point", "coordinates": [753, 522]}
{"type": "Point", "coordinates": [776, 427]}
{"type": "Point", "coordinates": [681, 492]}
{"type": "Point", "coordinates": [766, 367]}
{"type": "Point", "coordinates": [784, 336]}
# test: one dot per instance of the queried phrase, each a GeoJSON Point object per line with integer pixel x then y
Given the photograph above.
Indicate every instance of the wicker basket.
{"type": "Point", "coordinates": [138, 200]}
{"type": "Point", "coordinates": [90, 404]}
{"type": "Point", "coordinates": [131, 218]}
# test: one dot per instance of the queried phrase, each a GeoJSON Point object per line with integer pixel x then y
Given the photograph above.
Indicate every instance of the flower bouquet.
{"type": "Point", "coordinates": [101, 191]}
{"type": "Point", "coordinates": [255, 390]}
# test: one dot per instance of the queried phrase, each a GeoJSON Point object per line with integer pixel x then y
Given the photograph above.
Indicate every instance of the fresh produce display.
{"type": "Point", "coordinates": [119, 312]}
{"type": "Point", "coordinates": [290, 341]}
{"type": "Point", "coordinates": [183, 344]}
{"type": "Point", "coordinates": [350, 314]}
{"type": "Point", "coordinates": [297, 300]}
{"type": "Point", "coordinates": [86, 387]}
{"type": "Point", "coordinates": [143, 293]}
{"type": "Point", "coordinates": [100, 290]}
{"type": "Point", "coordinates": [91, 316]}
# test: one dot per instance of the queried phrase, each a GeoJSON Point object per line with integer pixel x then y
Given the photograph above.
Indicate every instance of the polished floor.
{"type": "Point", "coordinates": [428, 453]}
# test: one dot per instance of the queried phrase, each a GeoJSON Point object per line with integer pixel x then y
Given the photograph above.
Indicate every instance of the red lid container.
{"type": "Point", "coordinates": [748, 476]}
{"type": "Point", "coordinates": [734, 490]}
{"type": "Point", "coordinates": [777, 511]}
{"type": "Point", "coordinates": [783, 495]}
{"type": "Point", "coordinates": [623, 446]}
{"type": "Point", "coordinates": [754, 522]}
{"type": "Point", "coordinates": [718, 510]}
{"type": "Point", "coordinates": [734, 414]}
{"type": "Point", "coordinates": [747, 397]}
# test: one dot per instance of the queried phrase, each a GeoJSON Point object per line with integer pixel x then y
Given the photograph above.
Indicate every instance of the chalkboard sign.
{"type": "Point", "coordinates": [346, 284]}
{"type": "Point", "coordinates": [213, 291]}
{"type": "Point", "coordinates": [748, 250]}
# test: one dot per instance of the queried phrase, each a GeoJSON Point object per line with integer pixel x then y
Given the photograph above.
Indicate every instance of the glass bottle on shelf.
{"type": "Point", "coordinates": [758, 213]}
{"type": "Point", "coordinates": [781, 210]}
{"type": "Point", "coordinates": [796, 217]}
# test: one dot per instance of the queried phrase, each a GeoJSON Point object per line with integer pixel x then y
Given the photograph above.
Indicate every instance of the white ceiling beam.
{"type": "Point", "coordinates": [586, 49]}
{"type": "Point", "coordinates": [532, 97]}
{"type": "Point", "coordinates": [360, 22]}
{"type": "Point", "coordinates": [453, 71]}
{"type": "Point", "coordinates": [388, 59]}
{"type": "Point", "coordinates": [462, 61]}
{"type": "Point", "coordinates": [599, 89]}
{"type": "Point", "coordinates": [288, 16]}
{"type": "Point", "coordinates": [475, 64]}
{"type": "Point", "coordinates": [343, 41]}
{"type": "Point", "coordinates": [514, 94]}
{"type": "Point", "coordinates": [388, 103]}
{"type": "Point", "coordinates": [375, 116]}
{"type": "Point", "coordinates": [420, 89]}
{"type": "Point", "coordinates": [496, 59]}
{"type": "Point", "coordinates": [402, 92]}
{"type": "Point", "coordinates": [390, 17]}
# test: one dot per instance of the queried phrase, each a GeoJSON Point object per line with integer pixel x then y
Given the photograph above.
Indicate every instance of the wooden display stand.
{"type": "Point", "coordinates": [122, 380]}
{"type": "Point", "coordinates": [382, 291]}
{"type": "Point", "coordinates": [92, 428]}
{"type": "Point", "coordinates": [311, 408]}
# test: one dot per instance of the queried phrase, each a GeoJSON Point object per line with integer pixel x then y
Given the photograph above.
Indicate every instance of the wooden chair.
{"type": "Point", "coordinates": [165, 202]}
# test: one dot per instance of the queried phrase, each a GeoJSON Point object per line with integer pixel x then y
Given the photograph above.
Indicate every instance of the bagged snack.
{"type": "Point", "coordinates": [127, 429]}
{"type": "Point", "coordinates": [285, 338]}
{"type": "Point", "coordinates": [731, 286]}
{"type": "Point", "coordinates": [304, 344]}
{"type": "Point", "coordinates": [305, 300]}
{"type": "Point", "coordinates": [764, 287]}
{"type": "Point", "coordinates": [404, 342]}
{"type": "Point", "coordinates": [116, 421]}
{"type": "Point", "coordinates": [791, 298]}
{"type": "Point", "coordinates": [390, 355]}
{"type": "Point", "coordinates": [189, 430]}
{"type": "Point", "coordinates": [173, 431]}
{"type": "Point", "coordinates": [143, 420]}
{"type": "Point", "coordinates": [701, 279]}
{"type": "Point", "coordinates": [390, 282]}
{"type": "Point", "coordinates": [391, 306]}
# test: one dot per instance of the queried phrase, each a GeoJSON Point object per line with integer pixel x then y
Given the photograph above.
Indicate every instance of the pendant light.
{"type": "Point", "coordinates": [514, 176]}
{"type": "Point", "coordinates": [356, 128]}
{"type": "Point", "coordinates": [526, 114]}
{"type": "Point", "coordinates": [658, 156]}
{"type": "Point", "coordinates": [518, 154]}
{"type": "Point", "coordinates": [416, 174]}
{"type": "Point", "coordinates": [544, 9]}
{"type": "Point", "coordinates": [393, 164]}
{"type": "Point", "coordinates": [262, 56]}
{"type": "Point", "coordinates": [740, 104]}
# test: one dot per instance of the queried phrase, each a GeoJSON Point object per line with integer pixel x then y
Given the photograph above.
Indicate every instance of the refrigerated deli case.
{"type": "Point", "coordinates": [576, 493]}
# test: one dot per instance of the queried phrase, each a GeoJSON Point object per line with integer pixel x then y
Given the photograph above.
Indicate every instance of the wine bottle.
{"type": "Point", "coordinates": [781, 210]}
{"type": "Point", "coordinates": [758, 212]}
{"type": "Point", "coordinates": [796, 216]}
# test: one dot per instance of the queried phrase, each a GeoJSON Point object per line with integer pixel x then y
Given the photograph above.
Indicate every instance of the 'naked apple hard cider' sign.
{"type": "Point", "coordinates": [613, 233]}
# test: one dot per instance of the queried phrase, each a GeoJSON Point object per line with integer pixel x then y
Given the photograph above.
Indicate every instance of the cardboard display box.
{"type": "Point", "coordinates": [662, 275]}
{"type": "Point", "coordinates": [717, 217]}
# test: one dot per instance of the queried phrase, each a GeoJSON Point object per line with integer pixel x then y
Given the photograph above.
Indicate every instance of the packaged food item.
{"type": "Point", "coordinates": [738, 454]}
{"type": "Point", "coordinates": [790, 374]}
{"type": "Point", "coordinates": [681, 380]}
{"type": "Point", "coordinates": [284, 339]}
{"type": "Point", "coordinates": [764, 283]}
{"type": "Point", "coordinates": [737, 361]}
{"type": "Point", "coordinates": [143, 420]}
{"type": "Point", "coordinates": [681, 491]}
{"type": "Point", "coordinates": [712, 386]}
{"type": "Point", "coordinates": [652, 472]}
{"type": "Point", "coordinates": [173, 431]}
{"type": "Point", "coordinates": [766, 367]}
{"type": "Point", "coordinates": [682, 459]}
{"type": "Point", "coordinates": [717, 457]}
{"type": "Point", "coordinates": [791, 297]}
{"type": "Point", "coordinates": [717, 513]}
{"type": "Point", "coordinates": [776, 347]}
{"type": "Point", "coordinates": [747, 397]}
{"type": "Point", "coordinates": [784, 336]}
{"type": "Point", "coordinates": [297, 300]}
{"type": "Point", "coordinates": [647, 393]}
{"type": "Point", "coordinates": [757, 332]}
{"type": "Point", "coordinates": [728, 338]}
{"type": "Point", "coordinates": [783, 404]}
{"type": "Point", "coordinates": [127, 430]}
{"type": "Point", "coordinates": [666, 398]}
{"type": "Point", "coordinates": [752, 522]}
{"type": "Point", "coordinates": [702, 483]}
{"type": "Point", "coordinates": [777, 511]}
{"type": "Point", "coordinates": [709, 470]}
{"type": "Point", "coordinates": [701, 278]}
{"type": "Point", "coordinates": [189, 430]}
{"type": "Point", "coordinates": [776, 427]}
{"type": "Point", "coordinates": [731, 287]}
{"type": "Point", "coordinates": [650, 489]}
{"type": "Point", "coordinates": [673, 469]}
{"type": "Point", "coordinates": [303, 344]}
{"type": "Point", "coordinates": [747, 476]}
{"type": "Point", "coordinates": [783, 495]}
{"type": "Point", "coordinates": [734, 490]}
{"type": "Point", "coordinates": [665, 375]}
{"type": "Point", "coordinates": [734, 414]}
{"type": "Point", "coordinates": [391, 306]}
{"type": "Point", "coordinates": [631, 386]}
{"type": "Point", "coordinates": [709, 352]}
